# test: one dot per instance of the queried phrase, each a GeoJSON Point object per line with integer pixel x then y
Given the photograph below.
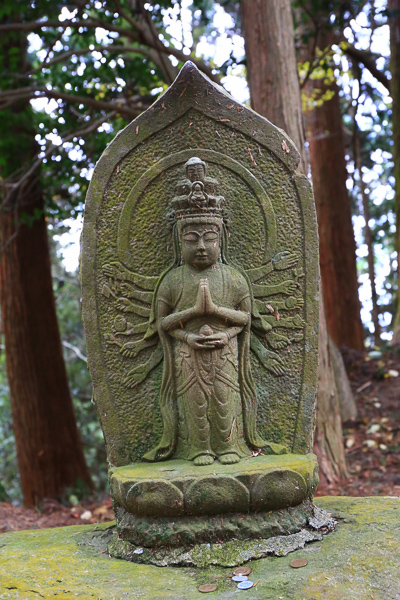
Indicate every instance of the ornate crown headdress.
{"type": "Point", "coordinates": [197, 196]}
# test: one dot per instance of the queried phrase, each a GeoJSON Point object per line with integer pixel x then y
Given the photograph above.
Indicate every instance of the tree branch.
{"type": "Point", "coordinates": [150, 36]}
{"type": "Point", "coordinates": [11, 96]}
{"type": "Point", "coordinates": [14, 186]}
{"type": "Point", "coordinates": [366, 58]}
{"type": "Point", "coordinates": [127, 16]}
{"type": "Point", "coordinates": [88, 24]}
{"type": "Point", "coordinates": [108, 48]}
{"type": "Point", "coordinates": [76, 350]}
{"type": "Point", "coordinates": [156, 44]}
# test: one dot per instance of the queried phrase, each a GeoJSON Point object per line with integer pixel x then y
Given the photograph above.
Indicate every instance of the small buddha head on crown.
{"type": "Point", "coordinates": [195, 169]}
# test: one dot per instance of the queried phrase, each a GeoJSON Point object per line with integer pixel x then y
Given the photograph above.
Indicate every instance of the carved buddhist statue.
{"type": "Point", "coordinates": [203, 312]}
{"type": "Point", "coordinates": [203, 361]}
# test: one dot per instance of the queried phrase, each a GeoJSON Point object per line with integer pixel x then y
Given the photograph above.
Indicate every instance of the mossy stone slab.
{"type": "Point", "coordinates": [359, 561]}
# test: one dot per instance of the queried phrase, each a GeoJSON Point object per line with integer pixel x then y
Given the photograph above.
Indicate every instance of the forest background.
{"type": "Point", "coordinates": [73, 75]}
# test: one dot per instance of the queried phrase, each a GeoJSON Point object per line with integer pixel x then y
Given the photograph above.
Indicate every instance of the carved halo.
{"type": "Point", "coordinates": [211, 157]}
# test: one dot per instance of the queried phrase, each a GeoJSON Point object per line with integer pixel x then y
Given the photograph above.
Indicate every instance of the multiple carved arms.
{"type": "Point", "coordinates": [268, 310]}
{"type": "Point", "coordinates": [124, 286]}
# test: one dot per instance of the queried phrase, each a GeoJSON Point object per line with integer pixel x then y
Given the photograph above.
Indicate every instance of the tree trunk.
{"type": "Point", "coordinates": [393, 8]}
{"type": "Point", "coordinates": [367, 236]}
{"type": "Point", "coordinates": [341, 387]}
{"type": "Point", "coordinates": [271, 74]}
{"type": "Point", "coordinates": [324, 132]}
{"type": "Point", "coordinates": [269, 42]}
{"type": "Point", "coordinates": [49, 450]}
{"type": "Point", "coordinates": [328, 444]}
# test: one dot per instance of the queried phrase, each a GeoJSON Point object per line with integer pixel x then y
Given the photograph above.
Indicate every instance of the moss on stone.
{"type": "Point", "coordinates": [187, 531]}
{"type": "Point", "coordinates": [362, 558]}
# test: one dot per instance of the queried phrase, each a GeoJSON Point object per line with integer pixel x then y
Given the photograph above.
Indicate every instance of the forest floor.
{"type": "Point", "coordinates": [372, 444]}
{"type": "Point", "coordinates": [372, 441]}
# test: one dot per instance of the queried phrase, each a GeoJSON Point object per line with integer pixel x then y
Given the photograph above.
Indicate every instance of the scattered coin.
{"type": "Point", "coordinates": [239, 578]}
{"type": "Point", "coordinates": [299, 562]}
{"type": "Point", "coordinates": [207, 587]}
{"type": "Point", "coordinates": [242, 571]}
{"type": "Point", "coordinates": [245, 585]}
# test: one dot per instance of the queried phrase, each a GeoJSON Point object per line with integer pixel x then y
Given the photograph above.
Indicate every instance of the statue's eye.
{"type": "Point", "coordinates": [210, 236]}
{"type": "Point", "coordinates": [190, 237]}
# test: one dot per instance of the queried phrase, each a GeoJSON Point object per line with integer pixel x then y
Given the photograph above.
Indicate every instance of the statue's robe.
{"type": "Point", "coordinates": [207, 398]}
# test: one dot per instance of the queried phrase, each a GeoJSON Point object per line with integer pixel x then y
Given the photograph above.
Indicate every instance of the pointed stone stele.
{"type": "Point", "coordinates": [200, 304]}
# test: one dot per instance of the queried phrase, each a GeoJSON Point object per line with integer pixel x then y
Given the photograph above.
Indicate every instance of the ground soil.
{"type": "Point", "coordinates": [372, 441]}
{"type": "Point", "coordinates": [372, 444]}
{"type": "Point", "coordinates": [54, 514]}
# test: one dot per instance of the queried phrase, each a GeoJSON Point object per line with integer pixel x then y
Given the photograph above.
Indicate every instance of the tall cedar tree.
{"type": "Point", "coordinates": [275, 93]}
{"type": "Point", "coordinates": [324, 132]}
{"type": "Point", "coordinates": [49, 450]}
{"type": "Point", "coordinates": [393, 9]}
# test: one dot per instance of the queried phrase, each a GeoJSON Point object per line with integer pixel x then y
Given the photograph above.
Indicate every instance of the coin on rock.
{"type": "Point", "coordinates": [299, 562]}
{"type": "Point", "coordinates": [207, 587]}
{"type": "Point", "coordinates": [242, 571]}
{"type": "Point", "coordinates": [239, 578]}
{"type": "Point", "coordinates": [245, 585]}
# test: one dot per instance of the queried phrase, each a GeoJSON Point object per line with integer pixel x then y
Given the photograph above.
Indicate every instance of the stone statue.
{"type": "Point", "coordinates": [204, 361]}
{"type": "Point", "coordinates": [203, 310]}
{"type": "Point", "coordinates": [203, 316]}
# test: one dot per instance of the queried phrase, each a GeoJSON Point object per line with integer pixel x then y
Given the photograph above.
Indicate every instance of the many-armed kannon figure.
{"type": "Point", "coordinates": [203, 311]}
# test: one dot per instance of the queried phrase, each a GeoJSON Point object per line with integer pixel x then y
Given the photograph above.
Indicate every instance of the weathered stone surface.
{"type": "Point", "coordinates": [278, 489]}
{"type": "Point", "coordinates": [228, 554]}
{"type": "Point", "coordinates": [359, 560]}
{"type": "Point", "coordinates": [154, 499]}
{"type": "Point", "coordinates": [200, 303]}
{"type": "Point", "coordinates": [259, 483]}
{"type": "Point", "coordinates": [217, 495]}
{"type": "Point", "coordinates": [126, 221]}
{"type": "Point", "coordinates": [187, 530]}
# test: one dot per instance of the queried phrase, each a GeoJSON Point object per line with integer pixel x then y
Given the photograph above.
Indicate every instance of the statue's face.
{"type": "Point", "coordinates": [196, 172]}
{"type": "Point", "coordinates": [201, 245]}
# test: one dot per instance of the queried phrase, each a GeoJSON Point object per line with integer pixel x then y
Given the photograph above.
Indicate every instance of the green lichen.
{"type": "Point", "coordinates": [360, 559]}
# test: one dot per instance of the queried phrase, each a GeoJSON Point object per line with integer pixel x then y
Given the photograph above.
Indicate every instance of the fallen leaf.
{"type": "Point", "coordinates": [86, 515]}
{"type": "Point", "coordinates": [370, 443]}
{"type": "Point", "coordinates": [374, 428]}
{"type": "Point", "coordinates": [101, 510]}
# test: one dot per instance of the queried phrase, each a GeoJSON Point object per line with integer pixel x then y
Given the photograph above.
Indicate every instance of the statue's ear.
{"type": "Point", "coordinates": [224, 244]}
{"type": "Point", "coordinates": [176, 246]}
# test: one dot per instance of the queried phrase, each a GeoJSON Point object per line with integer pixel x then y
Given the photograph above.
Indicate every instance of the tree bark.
{"type": "Point", "coordinates": [324, 132]}
{"type": "Point", "coordinates": [393, 9]}
{"type": "Point", "coordinates": [271, 75]}
{"type": "Point", "coordinates": [269, 42]}
{"type": "Point", "coordinates": [328, 444]}
{"type": "Point", "coordinates": [347, 404]}
{"type": "Point", "coordinates": [367, 235]}
{"type": "Point", "coordinates": [49, 450]}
